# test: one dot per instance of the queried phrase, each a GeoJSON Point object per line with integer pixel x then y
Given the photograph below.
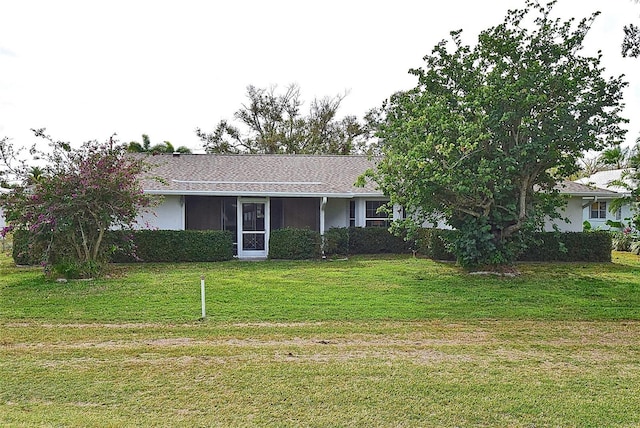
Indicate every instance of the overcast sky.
{"type": "Point", "coordinates": [86, 69]}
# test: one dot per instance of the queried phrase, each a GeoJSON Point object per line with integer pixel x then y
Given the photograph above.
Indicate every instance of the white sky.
{"type": "Point", "coordinates": [86, 69]}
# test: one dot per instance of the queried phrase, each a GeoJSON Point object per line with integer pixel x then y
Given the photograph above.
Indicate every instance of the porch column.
{"type": "Point", "coordinates": [323, 204]}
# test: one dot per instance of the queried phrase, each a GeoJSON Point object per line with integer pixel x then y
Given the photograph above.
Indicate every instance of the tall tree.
{"type": "Point", "coordinates": [146, 147]}
{"type": "Point", "coordinates": [273, 122]}
{"type": "Point", "coordinates": [485, 137]}
{"type": "Point", "coordinates": [78, 195]}
{"type": "Point", "coordinates": [616, 157]}
{"type": "Point", "coordinates": [631, 42]}
{"type": "Point", "coordinates": [587, 167]}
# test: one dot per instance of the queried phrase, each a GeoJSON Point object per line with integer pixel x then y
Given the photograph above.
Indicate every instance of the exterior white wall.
{"type": "Point", "coordinates": [627, 214]}
{"type": "Point", "coordinates": [601, 223]}
{"type": "Point", "coordinates": [168, 215]}
{"type": "Point", "coordinates": [573, 211]}
{"type": "Point", "coordinates": [336, 213]}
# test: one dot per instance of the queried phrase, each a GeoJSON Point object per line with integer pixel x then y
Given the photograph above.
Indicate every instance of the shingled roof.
{"type": "Point", "coordinates": [278, 175]}
{"type": "Point", "coordinates": [259, 175]}
{"type": "Point", "coordinates": [577, 189]}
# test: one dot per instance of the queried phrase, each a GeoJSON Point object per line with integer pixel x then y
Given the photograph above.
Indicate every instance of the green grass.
{"type": "Point", "coordinates": [392, 341]}
{"type": "Point", "coordinates": [399, 288]}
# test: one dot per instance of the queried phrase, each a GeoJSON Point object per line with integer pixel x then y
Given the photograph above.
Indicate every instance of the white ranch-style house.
{"type": "Point", "coordinates": [598, 212]}
{"type": "Point", "coordinates": [251, 195]}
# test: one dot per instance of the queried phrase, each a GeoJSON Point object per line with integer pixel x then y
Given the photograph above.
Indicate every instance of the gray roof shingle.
{"type": "Point", "coordinates": [260, 175]}
{"type": "Point", "coordinates": [578, 189]}
{"type": "Point", "coordinates": [278, 175]}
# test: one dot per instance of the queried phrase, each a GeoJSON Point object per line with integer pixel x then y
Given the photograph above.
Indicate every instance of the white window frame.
{"type": "Point", "coordinates": [367, 219]}
{"type": "Point", "coordinates": [601, 208]}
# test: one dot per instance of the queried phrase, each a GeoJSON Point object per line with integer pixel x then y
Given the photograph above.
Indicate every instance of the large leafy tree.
{"type": "Point", "coordinates": [484, 138]}
{"type": "Point", "coordinates": [631, 42]}
{"type": "Point", "coordinates": [78, 196]}
{"type": "Point", "coordinates": [273, 122]}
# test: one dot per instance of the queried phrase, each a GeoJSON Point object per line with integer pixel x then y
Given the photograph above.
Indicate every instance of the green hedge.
{"type": "Point", "coordinates": [431, 243]}
{"type": "Point", "coordinates": [149, 246]}
{"type": "Point", "coordinates": [569, 247]}
{"type": "Point", "coordinates": [375, 240]}
{"type": "Point", "coordinates": [363, 240]}
{"type": "Point", "coordinates": [174, 246]}
{"type": "Point", "coordinates": [336, 241]}
{"type": "Point", "coordinates": [20, 251]}
{"type": "Point", "coordinates": [547, 246]}
{"type": "Point", "coordinates": [195, 245]}
{"type": "Point", "coordinates": [294, 244]}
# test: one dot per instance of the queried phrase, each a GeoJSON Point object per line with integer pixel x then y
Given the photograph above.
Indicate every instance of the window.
{"type": "Point", "coordinates": [598, 210]}
{"type": "Point", "coordinates": [619, 214]}
{"type": "Point", "coordinates": [373, 217]}
{"type": "Point", "coordinates": [352, 213]}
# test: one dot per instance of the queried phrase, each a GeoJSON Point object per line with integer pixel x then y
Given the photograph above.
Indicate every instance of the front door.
{"type": "Point", "coordinates": [253, 239]}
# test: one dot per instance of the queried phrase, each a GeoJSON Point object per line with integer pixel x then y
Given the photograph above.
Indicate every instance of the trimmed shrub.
{"type": "Point", "coordinates": [174, 246]}
{"type": "Point", "coordinates": [336, 241]}
{"type": "Point", "coordinates": [146, 245]}
{"type": "Point", "coordinates": [363, 240]}
{"type": "Point", "coordinates": [21, 253]}
{"type": "Point", "coordinates": [376, 240]}
{"type": "Point", "coordinates": [432, 243]}
{"type": "Point", "coordinates": [294, 244]}
{"type": "Point", "coordinates": [546, 246]}
{"type": "Point", "coordinates": [60, 264]}
{"type": "Point", "coordinates": [569, 247]}
{"type": "Point", "coordinates": [214, 245]}
{"type": "Point", "coordinates": [29, 253]}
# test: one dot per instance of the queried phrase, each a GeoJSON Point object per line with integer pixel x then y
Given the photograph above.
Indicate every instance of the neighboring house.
{"type": "Point", "coordinates": [580, 198]}
{"type": "Point", "coordinates": [3, 222]}
{"type": "Point", "coordinates": [597, 212]}
{"type": "Point", "coordinates": [251, 195]}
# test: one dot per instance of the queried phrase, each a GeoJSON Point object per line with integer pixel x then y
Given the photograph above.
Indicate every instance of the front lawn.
{"type": "Point", "coordinates": [392, 341]}
{"type": "Point", "coordinates": [362, 288]}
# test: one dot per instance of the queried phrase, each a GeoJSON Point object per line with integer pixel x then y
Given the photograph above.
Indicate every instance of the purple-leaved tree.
{"type": "Point", "coordinates": [75, 197]}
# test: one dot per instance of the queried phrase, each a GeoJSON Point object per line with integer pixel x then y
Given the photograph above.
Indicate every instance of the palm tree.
{"type": "Point", "coordinates": [146, 147]}
{"type": "Point", "coordinates": [617, 157]}
{"type": "Point", "coordinates": [35, 173]}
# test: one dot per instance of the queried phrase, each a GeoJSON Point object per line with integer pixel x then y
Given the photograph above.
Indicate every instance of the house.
{"type": "Point", "coordinates": [251, 195]}
{"type": "Point", "coordinates": [3, 222]}
{"type": "Point", "coordinates": [597, 211]}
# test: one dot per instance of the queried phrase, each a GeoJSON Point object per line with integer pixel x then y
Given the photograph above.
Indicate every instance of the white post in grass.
{"type": "Point", "coordinates": [202, 295]}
